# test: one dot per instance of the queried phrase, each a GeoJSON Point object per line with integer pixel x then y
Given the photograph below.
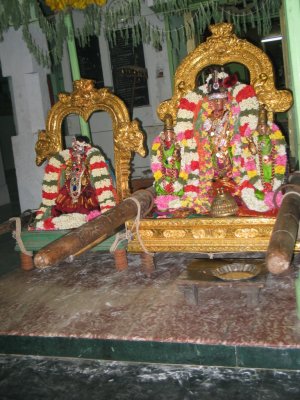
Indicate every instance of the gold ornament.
{"type": "Point", "coordinates": [223, 205]}
{"type": "Point", "coordinates": [251, 146]}
{"type": "Point", "coordinates": [59, 5]}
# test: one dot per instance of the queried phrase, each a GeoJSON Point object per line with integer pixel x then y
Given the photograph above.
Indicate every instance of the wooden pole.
{"type": "Point", "coordinates": [96, 231]}
{"type": "Point", "coordinates": [284, 235]}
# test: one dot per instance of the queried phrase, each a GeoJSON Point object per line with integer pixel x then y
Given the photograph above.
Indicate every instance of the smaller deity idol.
{"type": "Point", "coordinates": [77, 193]}
{"type": "Point", "coordinates": [264, 165]}
{"type": "Point", "coordinates": [166, 161]}
{"type": "Point", "coordinates": [77, 187]}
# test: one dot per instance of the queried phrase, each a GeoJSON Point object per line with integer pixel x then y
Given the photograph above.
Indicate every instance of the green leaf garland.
{"type": "Point", "coordinates": [127, 14]}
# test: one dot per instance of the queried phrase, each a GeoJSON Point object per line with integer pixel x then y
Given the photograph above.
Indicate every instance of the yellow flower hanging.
{"type": "Point", "coordinates": [157, 175]}
{"type": "Point", "coordinates": [183, 175]}
{"type": "Point", "coordinates": [280, 169]}
{"type": "Point", "coordinates": [59, 5]}
{"type": "Point", "coordinates": [156, 146]}
{"type": "Point", "coordinates": [277, 135]}
{"type": "Point", "coordinates": [251, 173]}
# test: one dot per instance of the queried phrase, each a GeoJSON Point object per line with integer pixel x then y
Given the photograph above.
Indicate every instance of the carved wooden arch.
{"type": "Point", "coordinates": [84, 100]}
{"type": "Point", "coordinates": [222, 48]}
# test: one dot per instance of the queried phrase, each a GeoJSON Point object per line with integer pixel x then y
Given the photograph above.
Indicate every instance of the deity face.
{"type": "Point", "coordinates": [263, 129]}
{"type": "Point", "coordinates": [218, 105]}
{"type": "Point", "coordinates": [78, 146]}
{"type": "Point", "coordinates": [168, 135]}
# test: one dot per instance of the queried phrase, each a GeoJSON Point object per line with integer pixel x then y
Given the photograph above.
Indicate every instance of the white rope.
{"type": "Point", "coordinates": [128, 235]}
{"type": "Point", "coordinates": [291, 192]}
{"type": "Point", "coordinates": [17, 235]}
{"type": "Point", "coordinates": [119, 238]}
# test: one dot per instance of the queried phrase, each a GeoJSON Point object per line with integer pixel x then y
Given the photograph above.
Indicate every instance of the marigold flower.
{"type": "Point", "coordinates": [157, 175]}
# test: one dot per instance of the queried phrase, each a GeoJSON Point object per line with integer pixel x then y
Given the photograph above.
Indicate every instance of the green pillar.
{"type": "Point", "coordinates": [291, 33]}
{"type": "Point", "coordinates": [297, 287]}
{"type": "Point", "coordinates": [84, 126]}
{"type": "Point", "coordinates": [170, 54]}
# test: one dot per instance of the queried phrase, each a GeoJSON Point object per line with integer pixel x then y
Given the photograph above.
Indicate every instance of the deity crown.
{"type": "Point", "coordinates": [219, 83]}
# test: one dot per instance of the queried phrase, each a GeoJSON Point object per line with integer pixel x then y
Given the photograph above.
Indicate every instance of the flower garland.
{"type": "Point", "coordinates": [169, 190]}
{"type": "Point", "coordinates": [196, 156]}
{"type": "Point", "coordinates": [256, 193]}
{"type": "Point", "coordinates": [100, 180]}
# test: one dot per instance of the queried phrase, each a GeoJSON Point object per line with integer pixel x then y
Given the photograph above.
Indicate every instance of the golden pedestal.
{"type": "Point", "coordinates": [204, 235]}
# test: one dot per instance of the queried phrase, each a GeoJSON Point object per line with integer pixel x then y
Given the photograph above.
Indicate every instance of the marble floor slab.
{"type": "Point", "coordinates": [88, 309]}
{"type": "Point", "coordinates": [89, 299]}
{"type": "Point", "coordinates": [31, 378]}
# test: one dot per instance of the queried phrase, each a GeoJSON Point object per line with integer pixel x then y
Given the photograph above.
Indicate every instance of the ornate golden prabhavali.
{"type": "Point", "coordinates": [84, 100]}
{"type": "Point", "coordinates": [222, 48]}
{"type": "Point", "coordinates": [213, 235]}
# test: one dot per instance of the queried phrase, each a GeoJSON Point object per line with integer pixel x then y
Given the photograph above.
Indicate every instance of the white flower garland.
{"type": "Point", "coordinates": [66, 221]}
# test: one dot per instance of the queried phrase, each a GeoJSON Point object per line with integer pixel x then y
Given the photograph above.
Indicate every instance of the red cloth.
{"type": "Point", "coordinates": [87, 201]}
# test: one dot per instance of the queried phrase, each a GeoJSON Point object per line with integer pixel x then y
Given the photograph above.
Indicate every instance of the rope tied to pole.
{"type": "Point", "coordinates": [128, 235]}
{"type": "Point", "coordinates": [17, 235]}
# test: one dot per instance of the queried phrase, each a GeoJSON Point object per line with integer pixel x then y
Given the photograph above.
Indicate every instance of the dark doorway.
{"type": "Point", "coordinates": [7, 130]}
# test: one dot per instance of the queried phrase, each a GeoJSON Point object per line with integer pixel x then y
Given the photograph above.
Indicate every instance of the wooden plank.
{"type": "Point", "coordinates": [36, 240]}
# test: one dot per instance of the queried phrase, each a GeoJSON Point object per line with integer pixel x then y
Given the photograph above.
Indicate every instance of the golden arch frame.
{"type": "Point", "coordinates": [221, 48]}
{"type": "Point", "coordinates": [83, 101]}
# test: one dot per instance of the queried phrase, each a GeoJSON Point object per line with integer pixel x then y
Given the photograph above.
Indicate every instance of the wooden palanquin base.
{"type": "Point", "coordinates": [205, 235]}
{"type": "Point", "coordinates": [36, 240]}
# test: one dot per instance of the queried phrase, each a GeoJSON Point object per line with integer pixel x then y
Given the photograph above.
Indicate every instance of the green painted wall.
{"type": "Point", "coordinates": [291, 35]}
